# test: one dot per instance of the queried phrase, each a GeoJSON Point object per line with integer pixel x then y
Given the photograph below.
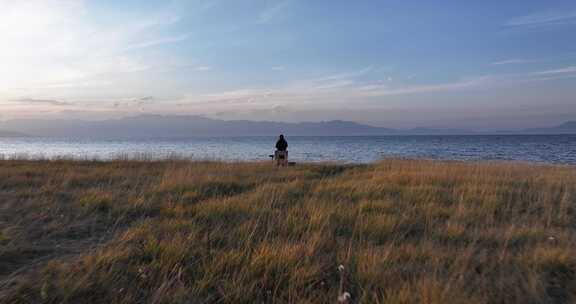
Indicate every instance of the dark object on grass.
{"type": "Point", "coordinates": [281, 154]}
{"type": "Point", "coordinates": [281, 158]}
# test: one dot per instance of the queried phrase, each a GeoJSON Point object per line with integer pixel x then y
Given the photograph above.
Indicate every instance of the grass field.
{"type": "Point", "coordinates": [206, 232]}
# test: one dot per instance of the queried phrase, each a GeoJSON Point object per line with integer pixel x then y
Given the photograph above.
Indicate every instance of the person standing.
{"type": "Point", "coordinates": [281, 154]}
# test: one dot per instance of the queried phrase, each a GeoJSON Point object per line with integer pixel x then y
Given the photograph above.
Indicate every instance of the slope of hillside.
{"type": "Point", "coordinates": [203, 232]}
{"type": "Point", "coordinates": [4, 133]}
{"type": "Point", "coordinates": [186, 126]}
{"type": "Point", "coordinates": [148, 126]}
{"type": "Point", "coordinates": [568, 127]}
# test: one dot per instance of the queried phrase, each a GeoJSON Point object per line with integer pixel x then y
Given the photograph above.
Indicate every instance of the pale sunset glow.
{"type": "Point", "coordinates": [291, 60]}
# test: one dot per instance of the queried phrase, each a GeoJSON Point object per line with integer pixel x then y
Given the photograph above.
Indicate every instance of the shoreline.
{"type": "Point", "coordinates": [144, 157]}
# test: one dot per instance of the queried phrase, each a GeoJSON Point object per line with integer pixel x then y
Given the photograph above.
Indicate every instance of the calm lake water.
{"type": "Point", "coordinates": [560, 149]}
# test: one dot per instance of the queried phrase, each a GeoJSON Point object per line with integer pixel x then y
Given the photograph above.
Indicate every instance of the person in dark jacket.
{"type": "Point", "coordinates": [281, 154]}
{"type": "Point", "coordinates": [281, 144]}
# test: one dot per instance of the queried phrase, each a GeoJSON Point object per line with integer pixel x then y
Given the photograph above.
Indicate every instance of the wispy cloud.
{"type": "Point", "coordinates": [564, 70]}
{"type": "Point", "coordinates": [385, 90]}
{"type": "Point", "coordinates": [513, 61]}
{"type": "Point", "coordinates": [203, 68]}
{"type": "Point", "coordinates": [350, 88]}
{"type": "Point", "coordinates": [533, 76]}
{"type": "Point", "coordinates": [52, 102]}
{"type": "Point", "coordinates": [544, 18]}
{"type": "Point", "coordinates": [329, 89]}
{"type": "Point", "coordinates": [159, 41]}
{"type": "Point", "coordinates": [136, 103]}
{"type": "Point", "coordinates": [273, 11]}
{"type": "Point", "coordinates": [332, 91]}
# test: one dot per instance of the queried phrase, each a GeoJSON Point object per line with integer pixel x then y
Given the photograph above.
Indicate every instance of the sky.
{"type": "Point", "coordinates": [481, 65]}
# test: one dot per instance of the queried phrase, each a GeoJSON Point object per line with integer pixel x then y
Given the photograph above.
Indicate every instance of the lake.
{"type": "Point", "coordinates": [558, 149]}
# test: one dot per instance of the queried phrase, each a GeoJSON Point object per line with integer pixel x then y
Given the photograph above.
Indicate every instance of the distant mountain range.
{"type": "Point", "coordinates": [568, 127]}
{"type": "Point", "coordinates": [11, 134]}
{"type": "Point", "coordinates": [176, 126]}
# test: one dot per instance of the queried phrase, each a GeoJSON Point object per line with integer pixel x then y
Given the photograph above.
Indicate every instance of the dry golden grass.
{"type": "Point", "coordinates": [206, 232]}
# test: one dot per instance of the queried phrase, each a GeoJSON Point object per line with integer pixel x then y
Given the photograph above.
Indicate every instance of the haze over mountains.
{"type": "Point", "coordinates": [11, 134]}
{"type": "Point", "coordinates": [150, 126]}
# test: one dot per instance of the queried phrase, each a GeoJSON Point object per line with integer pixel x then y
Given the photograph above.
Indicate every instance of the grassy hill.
{"type": "Point", "coordinates": [207, 232]}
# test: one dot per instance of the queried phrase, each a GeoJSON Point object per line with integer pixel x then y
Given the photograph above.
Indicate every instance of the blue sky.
{"type": "Point", "coordinates": [471, 64]}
